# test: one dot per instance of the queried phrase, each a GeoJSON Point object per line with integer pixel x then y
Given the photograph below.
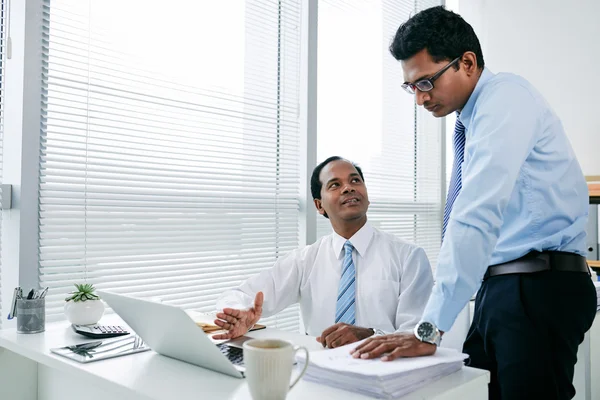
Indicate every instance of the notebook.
{"type": "Point", "coordinates": [102, 349]}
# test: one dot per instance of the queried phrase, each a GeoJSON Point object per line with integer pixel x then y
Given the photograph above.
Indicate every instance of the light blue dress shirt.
{"type": "Point", "coordinates": [522, 190]}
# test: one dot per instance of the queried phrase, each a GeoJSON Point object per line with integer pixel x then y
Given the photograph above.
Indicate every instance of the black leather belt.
{"type": "Point", "coordinates": [540, 261]}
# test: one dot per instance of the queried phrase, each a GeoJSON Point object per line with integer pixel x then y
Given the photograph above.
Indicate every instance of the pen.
{"type": "Point", "coordinates": [30, 294]}
{"type": "Point", "coordinates": [13, 305]}
{"type": "Point", "coordinates": [43, 294]}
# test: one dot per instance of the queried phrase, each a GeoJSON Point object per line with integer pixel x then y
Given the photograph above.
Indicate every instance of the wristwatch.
{"type": "Point", "coordinates": [427, 332]}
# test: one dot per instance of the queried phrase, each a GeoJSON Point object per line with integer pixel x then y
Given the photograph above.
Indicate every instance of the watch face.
{"type": "Point", "coordinates": [425, 330]}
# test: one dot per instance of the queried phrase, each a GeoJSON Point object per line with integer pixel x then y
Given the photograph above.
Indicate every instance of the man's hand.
{"type": "Point", "coordinates": [393, 346]}
{"type": "Point", "coordinates": [340, 334]}
{"type": "Point", "coordinates": [238, 322]}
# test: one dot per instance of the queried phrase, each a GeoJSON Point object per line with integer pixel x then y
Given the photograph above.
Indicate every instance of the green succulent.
{"type": "Point", "coordinates": [84, 292]}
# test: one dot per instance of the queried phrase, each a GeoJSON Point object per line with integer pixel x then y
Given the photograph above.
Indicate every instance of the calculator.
{"type": "Point", "coordinates": [100, 331]}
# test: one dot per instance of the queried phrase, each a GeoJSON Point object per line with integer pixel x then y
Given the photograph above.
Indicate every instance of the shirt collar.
{"type": "Point", "coordinates": [467, 111]}
{"type": "Point", "coordinates": [360, 241]}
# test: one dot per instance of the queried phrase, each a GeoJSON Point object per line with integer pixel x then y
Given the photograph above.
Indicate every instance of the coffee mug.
{"type": "Point", "coordinates": [269, 365]}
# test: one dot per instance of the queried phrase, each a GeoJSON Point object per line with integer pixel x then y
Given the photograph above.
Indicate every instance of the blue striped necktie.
{"type": "Point", "coordinates": [344, 311]}
{"type": "Point", "coordinates": [456, 177]}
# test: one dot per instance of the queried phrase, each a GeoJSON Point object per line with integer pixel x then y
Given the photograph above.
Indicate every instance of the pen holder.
{"type": "Point", "coordinates": [31, 315]}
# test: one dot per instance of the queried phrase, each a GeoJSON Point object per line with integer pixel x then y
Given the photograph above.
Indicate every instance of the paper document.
{"type": "Point", "coordinates": [387, 380]}
{"type": "Point", "coordinates": [341, 360]}
{"type": "Point", "coordinates": [205, 320]}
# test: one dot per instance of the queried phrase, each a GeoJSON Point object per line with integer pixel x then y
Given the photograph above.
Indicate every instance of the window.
{"type": "Point", "coordinates": [365, 116]}
{"type": "Point", "coordinates": [169, 162]}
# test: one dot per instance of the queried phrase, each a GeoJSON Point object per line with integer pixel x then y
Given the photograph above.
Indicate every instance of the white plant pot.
{"type": "Point", "coordinates": [84, 312]}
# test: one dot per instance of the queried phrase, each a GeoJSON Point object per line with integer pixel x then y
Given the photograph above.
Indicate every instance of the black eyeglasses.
{"type": "Point", "coordinates": [425, 85]}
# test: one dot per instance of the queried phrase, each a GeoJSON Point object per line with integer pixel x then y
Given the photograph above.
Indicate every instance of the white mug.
{"type": "Point", "coordinates": [269, 367]}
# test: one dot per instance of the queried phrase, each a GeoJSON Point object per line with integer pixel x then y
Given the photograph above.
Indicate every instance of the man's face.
{"type": "Point", "coordinates": [450, 91]}
{"type": "Point", "coordinates": [343, 194]}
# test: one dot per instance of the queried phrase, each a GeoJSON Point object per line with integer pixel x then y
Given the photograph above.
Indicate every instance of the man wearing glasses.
{"type": "Point", "coordinates": [514, 220]}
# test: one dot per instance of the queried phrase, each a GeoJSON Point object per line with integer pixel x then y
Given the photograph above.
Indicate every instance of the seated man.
{"type": "Point", "coordinates": [351, 284]}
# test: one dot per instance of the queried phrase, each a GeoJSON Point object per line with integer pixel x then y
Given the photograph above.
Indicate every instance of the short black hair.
{"type": "Point", "coordinates": [444, 34]}
{"type": "Point", "coordinates": [315, 183]}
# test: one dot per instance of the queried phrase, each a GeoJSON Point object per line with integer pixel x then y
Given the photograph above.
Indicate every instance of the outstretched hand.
{"type": "Point", "coordinates": [238, 322]}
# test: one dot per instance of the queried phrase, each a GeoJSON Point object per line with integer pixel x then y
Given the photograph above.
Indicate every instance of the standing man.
{"type": "Point", "coordinates": [514, 222]}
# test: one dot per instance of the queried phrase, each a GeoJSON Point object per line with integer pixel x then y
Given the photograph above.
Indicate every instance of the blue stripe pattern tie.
{"type": "Point", "coordinates": [456, 177]}
{"type": "Point", "coordinates": [347, 292]}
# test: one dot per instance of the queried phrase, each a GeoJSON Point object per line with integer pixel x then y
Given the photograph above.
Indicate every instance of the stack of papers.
{"type": "Point", "coordinates": [597, 284]}
{"type": "Point", "coordinates": [375, 378]}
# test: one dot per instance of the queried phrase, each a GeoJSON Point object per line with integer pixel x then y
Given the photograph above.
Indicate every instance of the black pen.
{"type": "Point", "coordinates": [30, 294]}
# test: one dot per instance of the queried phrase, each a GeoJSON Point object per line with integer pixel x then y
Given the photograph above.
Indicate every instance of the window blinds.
{"type": "Point", "coordinates": [169, 165]}
{"type": "Point", "coordinates": [365, 116]}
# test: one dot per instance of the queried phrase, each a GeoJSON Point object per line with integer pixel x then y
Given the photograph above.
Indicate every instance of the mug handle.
{"type": "Point", "coordinates": [296, 350]}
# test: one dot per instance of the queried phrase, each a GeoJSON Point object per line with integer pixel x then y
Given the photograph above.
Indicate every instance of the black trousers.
{"type": "Point", "coordinates": [526, 330]}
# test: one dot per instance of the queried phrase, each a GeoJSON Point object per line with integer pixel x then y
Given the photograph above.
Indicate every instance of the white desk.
{"type": "Point", "coordinates": [28, 371]}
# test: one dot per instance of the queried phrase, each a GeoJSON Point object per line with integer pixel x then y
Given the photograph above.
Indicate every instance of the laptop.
{"type": "Point", "coordinates": [170, 331]}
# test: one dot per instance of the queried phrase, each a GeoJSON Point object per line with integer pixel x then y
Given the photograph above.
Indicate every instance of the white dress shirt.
{"type": "Point", "coordinates": [393, 282]}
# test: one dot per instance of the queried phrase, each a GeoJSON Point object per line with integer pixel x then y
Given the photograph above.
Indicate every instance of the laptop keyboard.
{"type": "Point", "coordinates": [234, 354]}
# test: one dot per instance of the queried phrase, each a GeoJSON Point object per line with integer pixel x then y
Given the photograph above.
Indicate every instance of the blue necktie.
{"type": "Point", "coordinates": [456, 177]}
{"type": "Point", "coordinates": [344, 311]}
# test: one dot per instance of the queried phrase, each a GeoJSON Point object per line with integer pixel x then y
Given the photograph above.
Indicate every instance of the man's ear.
{"type": "Point", "coordinates": [319, 206]}
{"type": "Point", "coordinates": [469, 60]}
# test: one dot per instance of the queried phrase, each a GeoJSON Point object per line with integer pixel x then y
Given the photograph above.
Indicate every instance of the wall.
{"type": "Point", "coordinates": [554, 44]}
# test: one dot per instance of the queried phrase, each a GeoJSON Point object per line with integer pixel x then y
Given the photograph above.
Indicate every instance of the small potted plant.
{"type": "Point", "coordinates": [83, 306]}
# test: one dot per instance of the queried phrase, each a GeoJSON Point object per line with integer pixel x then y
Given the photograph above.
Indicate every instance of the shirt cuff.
{"type": "Point", "coordinates": [442, 312]}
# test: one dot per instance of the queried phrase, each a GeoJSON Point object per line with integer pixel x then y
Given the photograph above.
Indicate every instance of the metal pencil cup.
{"type": "Point", "coordinates": [31, 315]}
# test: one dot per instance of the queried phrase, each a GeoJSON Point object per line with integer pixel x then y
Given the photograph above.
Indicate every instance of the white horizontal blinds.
{"type": "Point", "coordinates": [365, 116]}
{"type": "Point", "coordinates": [279, 63]}
{"type": "Point", "coordinates": [428, 223]}
{"type": "Point", "coordinates": [428, 159]}
{"type": "Point", "coordinates": [3, 17]}
{"type": "Point", "coordinates": [169, 165]}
